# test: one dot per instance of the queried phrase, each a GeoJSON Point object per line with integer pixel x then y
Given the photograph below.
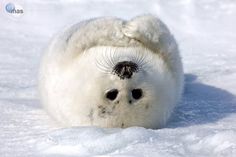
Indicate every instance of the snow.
{"type": "Point", "coordinates": [204, 123]}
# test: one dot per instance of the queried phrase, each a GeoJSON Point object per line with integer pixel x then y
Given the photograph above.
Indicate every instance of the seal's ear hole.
{"type": "Point", "coordinates": [112, 94]}
{"type": "Point", "coordinates": [137, 93]}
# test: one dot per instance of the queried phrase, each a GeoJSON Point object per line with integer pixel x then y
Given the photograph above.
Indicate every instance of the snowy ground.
{"type": "Point", "coordinates": [203, 125]}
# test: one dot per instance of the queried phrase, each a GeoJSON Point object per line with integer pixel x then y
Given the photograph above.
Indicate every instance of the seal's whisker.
{"type": "Point", "coordinates": [139, 56]}
{"type": "Point", "coordinates": [139, 59]}
{"type": "Point", "coordinates": [110, 58]}
{"type": "Point", "coordinates": [115, 56]}
{"type": "Point", "coordinates": [136, 57]}
{"type": "Point", "coordinates": [144, 64]}
{"type": "Point", "coordinates": [102, 67]}
{"type": "Point", "coordinates": [105, 59]}
{"type": "Point", "coordinates": [143, 61]}
{"type": "Point", "coordinates": [103, 64]}
{"type": "Point", "coordinates": [106, 54]}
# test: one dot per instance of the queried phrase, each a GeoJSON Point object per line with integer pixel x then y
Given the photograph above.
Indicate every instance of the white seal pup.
{"type": "Point", "coordinates": [109, 72]}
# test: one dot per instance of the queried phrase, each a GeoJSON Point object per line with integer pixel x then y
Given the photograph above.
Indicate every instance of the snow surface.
{"type": "Point", "coordinates": [204, 124]}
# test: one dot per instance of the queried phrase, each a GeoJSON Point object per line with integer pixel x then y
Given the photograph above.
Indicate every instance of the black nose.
{"type": "Point", "coordinates": [125, 69]}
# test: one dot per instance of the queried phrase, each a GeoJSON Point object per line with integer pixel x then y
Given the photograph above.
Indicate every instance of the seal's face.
{"type": "Point", "coordinates": [119, 87]}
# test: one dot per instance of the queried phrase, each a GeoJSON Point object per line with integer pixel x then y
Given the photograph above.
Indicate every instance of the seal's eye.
{"type": "Point", "coordinates": [137, 93]}
{"type": "Point", "coordinates": [112, 94]}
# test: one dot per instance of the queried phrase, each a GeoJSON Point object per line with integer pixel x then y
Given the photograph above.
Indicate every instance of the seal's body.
{"type": "Point", "coordinates": [112, 73]}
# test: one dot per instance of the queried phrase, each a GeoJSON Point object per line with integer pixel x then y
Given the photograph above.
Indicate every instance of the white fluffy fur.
{"type": "Point", "coordinates": [76, 71]}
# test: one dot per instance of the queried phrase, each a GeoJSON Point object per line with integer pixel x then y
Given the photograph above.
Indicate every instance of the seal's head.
{"type": "Point", "coordinates": [119, 87]}
{"type": "Point", "coordinates": [122, 77]}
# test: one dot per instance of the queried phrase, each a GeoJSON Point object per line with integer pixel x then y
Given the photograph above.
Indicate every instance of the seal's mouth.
{"type": "Point", "coordinates": [125, 69]}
